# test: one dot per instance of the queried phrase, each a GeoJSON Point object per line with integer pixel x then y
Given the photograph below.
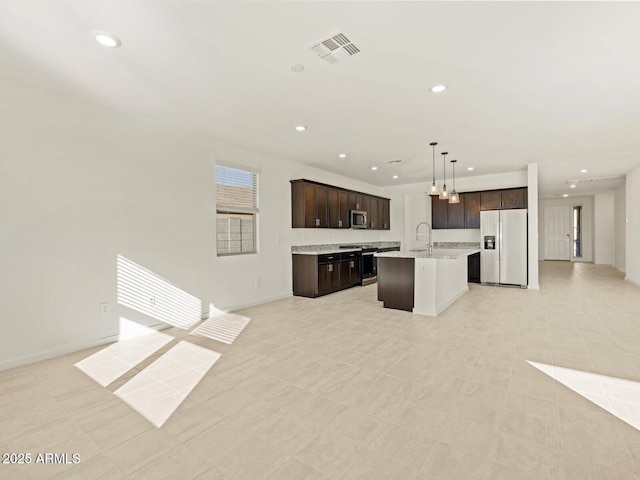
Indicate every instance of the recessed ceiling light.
{"type": "Point", "coordinates": [565, 195]}
{"type": "Point", "coordinates": [107, 40]}
{"type": "Point", "coordinates": [301, 128]}
{"type": "Point", "coordinates": [374, 168]}
{"type": "Point", "coordinates": [584, 170]}
{"type": "Point", "coordinates": [438, 88]}
{"type": "Point", "coordinates": [342, 155]}
{"type": "Point", "coordinates": [297, 68]}
{"type": "Point", "coordinates": [395, 176]}
{"type": "Point", "coordinates": [572, 185]}
{"type": "Point", "coordinates": [469, 169]}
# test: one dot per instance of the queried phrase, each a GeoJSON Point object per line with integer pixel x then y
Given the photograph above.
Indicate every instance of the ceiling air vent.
{"type": "Point", "coordinates": [336, 48]}
{"type": "Point", "coordinates": [613, 178]}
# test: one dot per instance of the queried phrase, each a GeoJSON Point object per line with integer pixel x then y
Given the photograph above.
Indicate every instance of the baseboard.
{"type": "Point", "coordinates": [57, 352]}
{"type": "Point", "coordinates": [240, 306]}
{"type": "Point", "coordinates": [632, 282]}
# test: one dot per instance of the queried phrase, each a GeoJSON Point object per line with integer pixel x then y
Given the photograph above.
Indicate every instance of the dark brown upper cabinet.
{"type": "Point", "coordinates": [309, 205]}
{"type": "Point", "coordinates": [447, 215]}
{"type": "Point", "coordinates": [455, 213]}
{"type": "Point", "coordinates": [333, 205]}
{"type": "Point", "coordinates": [365, 206]}
{"type": "Point", "coordinates": [466, 214]}
{"type": "Point", "coordinates": [514, 198]}
{"type": "Point", "coordinates": [343, 199]}
{"type": "Point", "coordinates": [321, 207]}
{"type": "Point", "coordinates": [386, 213]}
{"type": "Point", "coordinates": [472, 210]}
{"type": "Point", "coordinates": [503, 199]}
{"type": "Point", "coordinates": [439, 209]}
{"type": "Point", "coordinates": [491, 200]}
{"type": "Point", "coordinates": [372, 214]}
{"type": "Point", "coordinates": [316, 205]}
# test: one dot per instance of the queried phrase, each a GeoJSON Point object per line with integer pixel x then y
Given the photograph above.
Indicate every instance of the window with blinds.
{"type": "Point", "coordinates": [237, 209]}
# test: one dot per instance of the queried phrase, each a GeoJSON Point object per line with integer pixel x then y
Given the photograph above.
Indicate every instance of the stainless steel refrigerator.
{"type": "Point", "coordinates": [503, 244]}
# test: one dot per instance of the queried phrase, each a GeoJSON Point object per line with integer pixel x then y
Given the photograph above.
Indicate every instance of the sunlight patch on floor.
{"type": "Point", "coordinates": [136, 343]}
{"type": "Point", "coordinates": [160, 388]}
{"type": "Point", "coordinates": [617, 396]}
{"type": "Point", "coordinates": [224, 327]}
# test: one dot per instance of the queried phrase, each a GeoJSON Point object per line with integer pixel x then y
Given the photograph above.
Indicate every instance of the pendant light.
{"type": "Point", "coordinates": [434, 188]}
{"type": "Point", "coordinates": [454, 197]}
{"type": "Point", "coordinates": [444, 194]}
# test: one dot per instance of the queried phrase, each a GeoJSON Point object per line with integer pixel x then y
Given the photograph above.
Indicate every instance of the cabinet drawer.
{"type": "Point", "coordinates": [348, 255]}
{"type": "Point", "coordinates": [329, 257]}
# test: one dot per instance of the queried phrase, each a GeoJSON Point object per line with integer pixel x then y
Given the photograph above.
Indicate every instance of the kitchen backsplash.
{"type": "Point", "coordinates": [456, 244]}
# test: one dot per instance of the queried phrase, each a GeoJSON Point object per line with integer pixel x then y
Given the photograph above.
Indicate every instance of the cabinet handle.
{"type": "Point", "coordinates": [317, 222]}
{"type": "Point", "coordinates": [330, 267]}
{"type": "Point", "coordinates": [351, 264]}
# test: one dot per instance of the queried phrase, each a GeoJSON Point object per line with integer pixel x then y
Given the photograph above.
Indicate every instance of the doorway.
{"type": "Point", "coordinates": [557, 232]}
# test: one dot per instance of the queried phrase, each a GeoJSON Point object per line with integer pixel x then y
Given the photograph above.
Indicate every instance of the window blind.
{"type": "Point", "coordinates": [236, 190]}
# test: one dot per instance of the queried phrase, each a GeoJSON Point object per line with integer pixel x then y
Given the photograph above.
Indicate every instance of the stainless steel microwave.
{"type": "Point", "coordinates": [357, 219]}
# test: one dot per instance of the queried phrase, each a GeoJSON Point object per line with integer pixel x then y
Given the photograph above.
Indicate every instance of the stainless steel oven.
{"type": "Point", "coordinates": [369, 265]}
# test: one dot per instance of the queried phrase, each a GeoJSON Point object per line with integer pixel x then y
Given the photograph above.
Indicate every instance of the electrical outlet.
{"type": "Point", "coordinates": [258, 281]}
{"type": "Point", "coordinates": [105, 309]}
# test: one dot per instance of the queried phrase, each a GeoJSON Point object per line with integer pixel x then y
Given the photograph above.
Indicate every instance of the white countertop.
{"type": "Point", "coordinates": [325, 251]}
{"type": "Point", "coordinates": [438, 253]}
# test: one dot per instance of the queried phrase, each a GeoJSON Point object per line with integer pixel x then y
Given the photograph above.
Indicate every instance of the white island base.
{"type": "Point", "coordinates": [438, 280]}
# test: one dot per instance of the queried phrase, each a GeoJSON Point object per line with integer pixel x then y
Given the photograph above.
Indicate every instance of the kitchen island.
{"type": "Point", "coordinates": [424, 284]}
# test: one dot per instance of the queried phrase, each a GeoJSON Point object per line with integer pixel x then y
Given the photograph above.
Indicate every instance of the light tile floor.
{"type": "Point", "coordinates": [339, 388]}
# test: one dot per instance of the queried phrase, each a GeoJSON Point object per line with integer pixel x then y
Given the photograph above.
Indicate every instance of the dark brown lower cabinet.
{"type": "Point", "coordinates": [316, 275]}
{"type": "Point", "coordinates": [328, 276]}
{"type": "Point", "coordinates": [473, 268]}
{"type": "Point", "coordinates": [350, 272]}
{"type": "Point", "coordinates": [396, 282]}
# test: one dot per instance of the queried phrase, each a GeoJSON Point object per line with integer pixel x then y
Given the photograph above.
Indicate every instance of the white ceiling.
{"type": "Point", "coordinates": [552, 83]}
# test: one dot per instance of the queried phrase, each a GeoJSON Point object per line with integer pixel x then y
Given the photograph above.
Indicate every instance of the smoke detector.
{"type": "Point", "coordinates": [335, 48]}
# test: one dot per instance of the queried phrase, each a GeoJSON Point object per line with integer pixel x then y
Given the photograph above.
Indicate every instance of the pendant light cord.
{"type": "Point", "coordinates": [433, 163]}
{"type": "Point", "coordinates": [444, 167]}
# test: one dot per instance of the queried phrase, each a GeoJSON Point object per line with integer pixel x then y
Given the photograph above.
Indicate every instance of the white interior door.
{"type": "Point", "coordinates": [557, 233]}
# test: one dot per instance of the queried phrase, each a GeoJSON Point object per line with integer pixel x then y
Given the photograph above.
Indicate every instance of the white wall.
{"type": "Point", "coordinates": [620, 228]}
{"type": "Point", "coordinates": [633, 226]}
{"type": "Point", "coordinates": [82, 187]}
{"type": "Point", "coordinates": [604, 228]}
{"type": "Point", "coordinates": [587, 224]}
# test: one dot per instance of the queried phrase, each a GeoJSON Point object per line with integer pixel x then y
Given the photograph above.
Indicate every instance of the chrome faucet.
{"type": "Point", "coordinates": [418, 235]}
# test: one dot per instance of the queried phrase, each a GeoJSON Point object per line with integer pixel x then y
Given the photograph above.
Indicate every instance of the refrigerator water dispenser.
{"type": "Point", "coordinates": [489, 242]}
